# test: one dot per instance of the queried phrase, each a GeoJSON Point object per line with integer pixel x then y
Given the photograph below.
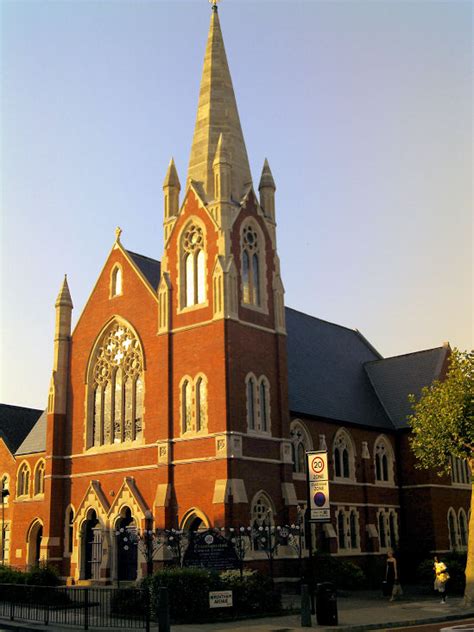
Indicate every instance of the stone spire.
{"type": "Point", "coordinates": [62, 340]}
{"type": "Point", "coordinates": [217, 113]}
{"type": "Point", "coordinates": [64, 296]}
{"type": "Point", "coordinates": [171, 189]}
{"type": "Point", "coordinates": [267, 191]}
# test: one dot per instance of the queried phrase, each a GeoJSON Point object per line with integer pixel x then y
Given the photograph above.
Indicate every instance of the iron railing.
{"type": "Point", "coordinates": [90, 607]}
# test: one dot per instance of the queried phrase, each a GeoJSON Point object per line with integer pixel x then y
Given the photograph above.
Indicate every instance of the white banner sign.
{"type": "Point", "coordinates": [318, 482]}
{"type": "Point", "coordinates": [220, 599]}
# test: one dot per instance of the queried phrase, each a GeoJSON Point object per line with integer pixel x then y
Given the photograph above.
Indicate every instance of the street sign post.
{"type": "Point", "coordinates": [318, 486]}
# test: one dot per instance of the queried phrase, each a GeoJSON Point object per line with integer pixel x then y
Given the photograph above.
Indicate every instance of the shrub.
{"type": "Point", "coordinates": [9, 575]}
{"type": "Point", "coordinates": [253, 593]}
{"type": "Point", "coordinates": [128, 602]}
{"type": "Point", "coordinates": [188, 592]}
{"type": "Point", "coordinates": [341, 573]}
{"type": "Point", "coordinates": [42, 575]}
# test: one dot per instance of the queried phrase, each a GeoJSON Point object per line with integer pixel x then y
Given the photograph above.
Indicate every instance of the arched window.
{"type": "Point", "coordinates": [69, 531]}
{"type": "Point", "coordinates": [201, 404]}
{"type": "Point", "coordinates": [116, 281]}
{"type": "Point", "coordinates": [263, 405]}
{"type": "Point", "coordinates": [341, 529]}
{"type": "Point", "coordinates": [23, 480]}
{"type": "Point", "coordinates": [187, 413]}
{"type": "Point", "coordinates": [300, 443]}
{"type": "Point", "coordinates": [383, 458]}
{"type": "Point", "coordinates": [194, 266]}
{"type": "Point", "coordinates": [251, 268]}
{"type": "Point", "coordinates": [393, 528]}
{"type": "Point", "coordinates": [382, 530]}
{"type": "Point", "coordinates": [116, 388]}
{"type": "Point", "coordinates": [462, 521]}
{"type": "Point", "coordinates": [39, 479]}
{"type": "Point", "coordinates": [251, 403]}
{"type": "Point", "coordinates": [343, 456]}
{"type": "Point", "coordinates": [452, 529]}
{"type": "Point", "coordinates": [460, 473]}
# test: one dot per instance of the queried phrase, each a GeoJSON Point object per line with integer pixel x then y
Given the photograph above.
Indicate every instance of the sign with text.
{"type": "Point", "coordinates": [318, 486]}
{"type": "Point", "coordinates": [220, 599]}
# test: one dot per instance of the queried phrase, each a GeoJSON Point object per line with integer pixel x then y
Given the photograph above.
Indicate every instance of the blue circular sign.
{"type": "Point", "coordinates": [319, 499]}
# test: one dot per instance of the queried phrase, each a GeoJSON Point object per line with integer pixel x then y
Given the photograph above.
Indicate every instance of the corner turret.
{"type": "Point", "coordinates": [62, 338]}
{"type": "Point", "coordinates": [267, 190]}
{"type": "Point", "coordinates": [171, 189]}
{"type": "Point", "coordinates": [222, 172]}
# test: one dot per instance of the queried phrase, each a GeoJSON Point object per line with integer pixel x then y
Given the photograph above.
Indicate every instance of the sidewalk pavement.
{"type": "Point", "coordinates": [362, 610]}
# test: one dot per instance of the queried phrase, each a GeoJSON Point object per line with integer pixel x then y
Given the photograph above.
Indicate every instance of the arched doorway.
{"type": "Point", "coordinates": [194, 520]}
{"type": "Point", "coordinates": [127, 549]}
{"type": "Point", "coordinates": [91, 546]}
{"type": "Point", "coordinates": [35, 536]}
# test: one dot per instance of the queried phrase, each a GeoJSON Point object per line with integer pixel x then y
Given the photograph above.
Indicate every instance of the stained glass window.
{"type": "Point", "coordinates": [251, 273]}
{"type": "Point", "coordinates": [117, 388]}
{"type": "Point", "coordinates": [194, 266]}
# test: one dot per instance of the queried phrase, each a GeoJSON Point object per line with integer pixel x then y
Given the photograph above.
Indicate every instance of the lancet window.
{"type": "Point", "coordinates": [116, 281]}
{"type": "Point", "coordinates": [116, 388]}
{"type": "Point", "coordinates": [193, 265]}
{"type": "Point", "coordinates": [39, 479]}
{"type": "Point", "coordinates": [343, 456]}
{"type": "Point", "coordinates": [383, 458]}
{"type": "Point", "coordinates": [23, 480]}
{"type": "Point", "coordinates": [300, 444]}
{"type": "Point", "coordinates": [258, 403]}
{"type": "Point", "coordinates": [194, 405]}
{"type": "Point", "coordinates": [251, 267]}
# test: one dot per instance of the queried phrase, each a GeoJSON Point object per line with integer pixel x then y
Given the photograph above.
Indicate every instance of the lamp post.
{"type": "Point", "coordinates": [5, 493]}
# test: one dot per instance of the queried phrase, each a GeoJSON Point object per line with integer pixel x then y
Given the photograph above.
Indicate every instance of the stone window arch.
{"type": "Point", "coordinates": [382, 530]}
{"type": "Point", "coordinates": [463, 529]}
{"type": "Point", "coordinates": [251, 398]}
{"type": "Point", "coordinates": [348, 529]}
{"type": "Point", "coordinates": [263, 421]}
{"type": "Point", "coordinates": [460, 473]}
{"type": "Point", "coordinates": [258, 400]}
{"type": "Point", "coordinates": [194, 520]}
{"type": "Point", "coordinates": [23, 480]}
{"type": "Point", "coordinates": [192, 257]}
{"type": "Point", "coordinates": [116, 281]}
{"type": "Point", "coordinates": [300, 444]}
{"type": "Point", "coordinates": [116, 387]}
{"type": "Point", "coordinates": [343, 456]}
{"type": "Point", "coordinates": [186, 395]}
{"type": "Point", "coordinates": [252, 244]}
{"type": "Point", "coordinates": [452, 529]}
{"type": "Point", "coordinates": [38, 484]}
{"type": "Point", "coordinates": [201, 403]}
{"type": "Point", "coordinates": [383, 461]}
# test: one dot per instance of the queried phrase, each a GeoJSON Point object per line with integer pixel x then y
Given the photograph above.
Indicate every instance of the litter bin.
{"type": "Point", "coordinates": [326, 604]}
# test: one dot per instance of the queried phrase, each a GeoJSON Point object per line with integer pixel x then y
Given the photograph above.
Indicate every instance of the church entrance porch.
{"type": "Point", "coordinates": [35, 536]}
{"type": "Point", "coordinates": [126, 546]}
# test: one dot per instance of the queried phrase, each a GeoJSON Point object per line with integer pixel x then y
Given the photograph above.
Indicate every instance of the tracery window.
{"type": "Point", "coordinates": [258, 403]}
{"type": "Point", "coordinates": [343, 456]}
{"type": "Point", "coordinates": [39, 479]}
{"type": "Point", "coordinates": [116, 281]}
{"type": "Point", "coordinates": [251, 269]}
{"type": "Point", "coordinates": [382, 532]}
{"type": "Point", "coordinates": [194, 405]}
{"type": "Point", "coordinates": [452, 529]}
{"type": "Point", "coordinates": [347, 523]}
{"type": "Point", "coordinates": [383, 458]}
{"type": "Point", "coordinates": [462, 521]}
{"type": "Point", "coordinates": [460, 473]}
{"type": "Point", "coordinates": [387, 523]}
{"type": "Point", "coordinates": [193, 266]}
{"type": "Point", "coordinates": [116, 388]}
{"type": "Point", "coordinates": [69, 531]}
{"type": "Point", "coordinates": [262, 512]}
{"type": "Point", "coordinates": [23, 480]}
{"type": "Point", "coordinates": [300, 444]}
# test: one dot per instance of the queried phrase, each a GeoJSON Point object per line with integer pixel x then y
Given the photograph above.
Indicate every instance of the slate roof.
{"type": "Point", "coordinates": [15, 424]}
{"type": "Point", "coordinates": [35, 441]}
{"type": "Point", "coordinates": [150, 268]}
{"type": "Point", "coordinates": [395, 378]}
{"type": "Point", "coordinates": [326, 375]}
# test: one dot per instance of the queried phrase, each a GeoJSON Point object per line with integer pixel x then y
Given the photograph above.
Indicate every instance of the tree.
{"type": "Point", "coordinates": [442, 426]}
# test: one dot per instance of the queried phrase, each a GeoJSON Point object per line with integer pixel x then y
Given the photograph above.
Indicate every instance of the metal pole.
{"type": "Point", "coordinates": [309, 539]}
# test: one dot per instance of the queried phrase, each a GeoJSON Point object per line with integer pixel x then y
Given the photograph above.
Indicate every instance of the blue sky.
{"type": "Point", "coordinates": [363, 109]}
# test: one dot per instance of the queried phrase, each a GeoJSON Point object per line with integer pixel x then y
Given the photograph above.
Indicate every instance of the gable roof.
{"type": "Point", "coordinates": [35, 440]}
{"type": "Point", "coordinates": [395, 378]}
{"type": "Point", "coordinates": [15, 424]}
{"type": "Point", "coordinates": [326, 376]}
{"type": "Point", "coordinates": [150, 268]}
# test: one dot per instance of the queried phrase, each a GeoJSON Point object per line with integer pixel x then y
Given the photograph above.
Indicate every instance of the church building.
{"type": "Point", "coordinates": [188, 393]}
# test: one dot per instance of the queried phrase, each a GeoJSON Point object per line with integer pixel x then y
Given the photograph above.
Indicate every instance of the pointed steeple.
{"type": "Point", "coordinates": [217, 113]}
{"type": "Point", "coordinates": [171, 178]}
{"type": "Point", "coordinates": [64, 296]}
{"type": "Point", "coordinates": [267, 190]}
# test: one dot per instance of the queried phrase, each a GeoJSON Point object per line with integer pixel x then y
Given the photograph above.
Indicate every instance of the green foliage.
{"type": "Point", "coordinates": [188, 594]}
{"type": "Point", "coordinates": [455, 563]}
{"type": "Point", "coordinates": [443, 418]}
{"type": "Point", "coordinates": [253, 593]}
{"type": "Point", "coordinates": [343, 574]}
{"type": "Point", "coordinates": [9, 575]}
{"type": "Point", "coordinates": [42, 575]}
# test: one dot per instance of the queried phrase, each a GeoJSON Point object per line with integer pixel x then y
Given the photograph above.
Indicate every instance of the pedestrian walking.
{"type": "Point", "coordinates": [391, 576]}
{"type": "Point", "coordinates": [441, 578]}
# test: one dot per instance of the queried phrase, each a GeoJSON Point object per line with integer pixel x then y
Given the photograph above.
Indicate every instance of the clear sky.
{"type": "Point", "coordinates": [363, 109]}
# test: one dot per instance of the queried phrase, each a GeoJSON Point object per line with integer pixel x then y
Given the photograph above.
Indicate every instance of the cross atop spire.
{"type": "Point", "coordinates": [217, 114]}
{"type": "Point", "coordinates": [214, 4]}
